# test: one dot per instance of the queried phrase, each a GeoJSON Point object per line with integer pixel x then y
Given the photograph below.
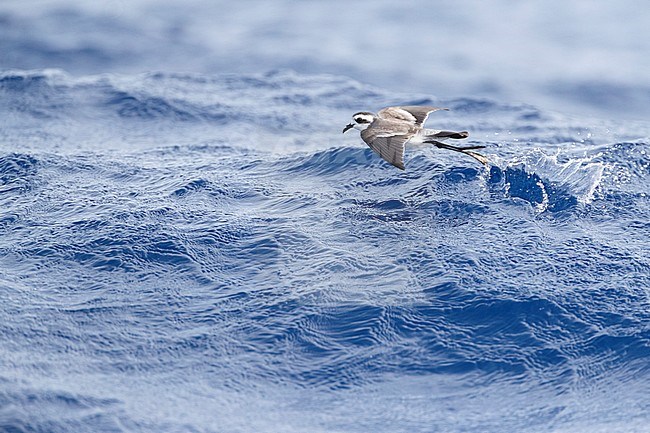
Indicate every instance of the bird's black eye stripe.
{"type": "Point", "coordinates": [361, 120]}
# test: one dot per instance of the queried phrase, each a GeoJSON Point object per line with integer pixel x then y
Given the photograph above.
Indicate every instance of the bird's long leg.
{"type": "Point", "coordinates": [442, 145]}
{"type": "Point", "coordinates": [466, 150]}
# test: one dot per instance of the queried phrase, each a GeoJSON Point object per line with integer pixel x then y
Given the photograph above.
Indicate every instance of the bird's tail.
{"type": "Point", "coordinates": [450, 134]}
{"type": "Point", "coordinates": [466, 150]}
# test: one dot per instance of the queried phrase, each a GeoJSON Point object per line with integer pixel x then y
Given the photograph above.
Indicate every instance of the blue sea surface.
{"type": "Point", "coordinates": [189, 244]}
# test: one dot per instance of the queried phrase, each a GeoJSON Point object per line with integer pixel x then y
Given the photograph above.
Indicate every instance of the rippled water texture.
{"type": "Point", "coordinates": [575, 57]}
{"type": "Point", "coordinates": [206, 252]}
{"type": "Point", "coordinates": [200, 260]}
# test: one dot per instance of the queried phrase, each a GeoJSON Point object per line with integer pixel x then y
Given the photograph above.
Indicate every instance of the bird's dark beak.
{"type": "Point", "coordinates": [348, 126]}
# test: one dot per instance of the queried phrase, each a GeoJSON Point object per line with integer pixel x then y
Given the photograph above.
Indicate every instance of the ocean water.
{"type": "Point", "coordinates": [189, 244]}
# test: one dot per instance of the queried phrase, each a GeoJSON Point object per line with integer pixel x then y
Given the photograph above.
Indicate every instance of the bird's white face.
{"type": "Point", "coordinates": [360, 121]}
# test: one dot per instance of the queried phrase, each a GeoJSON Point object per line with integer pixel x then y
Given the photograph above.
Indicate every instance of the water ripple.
{"type": "Point", "coordinates": [195, 241]}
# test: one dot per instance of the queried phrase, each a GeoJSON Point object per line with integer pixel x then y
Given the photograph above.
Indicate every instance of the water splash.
{"type": "Point", "coordinates": [548, 182]}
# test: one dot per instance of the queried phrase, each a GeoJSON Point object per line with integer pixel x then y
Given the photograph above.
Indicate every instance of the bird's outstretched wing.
{"type": "Point", "coordinates": [414, 114]}
{"type": "Point", "coordinates": [389, 146]}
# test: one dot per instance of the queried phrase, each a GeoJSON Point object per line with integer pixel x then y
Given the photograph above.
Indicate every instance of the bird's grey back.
{"type": "Point", "coordinates": [414, 114]}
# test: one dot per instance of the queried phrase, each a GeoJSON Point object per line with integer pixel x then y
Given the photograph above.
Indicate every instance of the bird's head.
{"type": "Point", "coordinates": [360, 121]}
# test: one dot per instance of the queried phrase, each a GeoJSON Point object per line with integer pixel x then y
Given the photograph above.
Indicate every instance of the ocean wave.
{"type": "Point", "coordinates": [548, 184]}
{"type": "Point", "coordinates": [178, 240]}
